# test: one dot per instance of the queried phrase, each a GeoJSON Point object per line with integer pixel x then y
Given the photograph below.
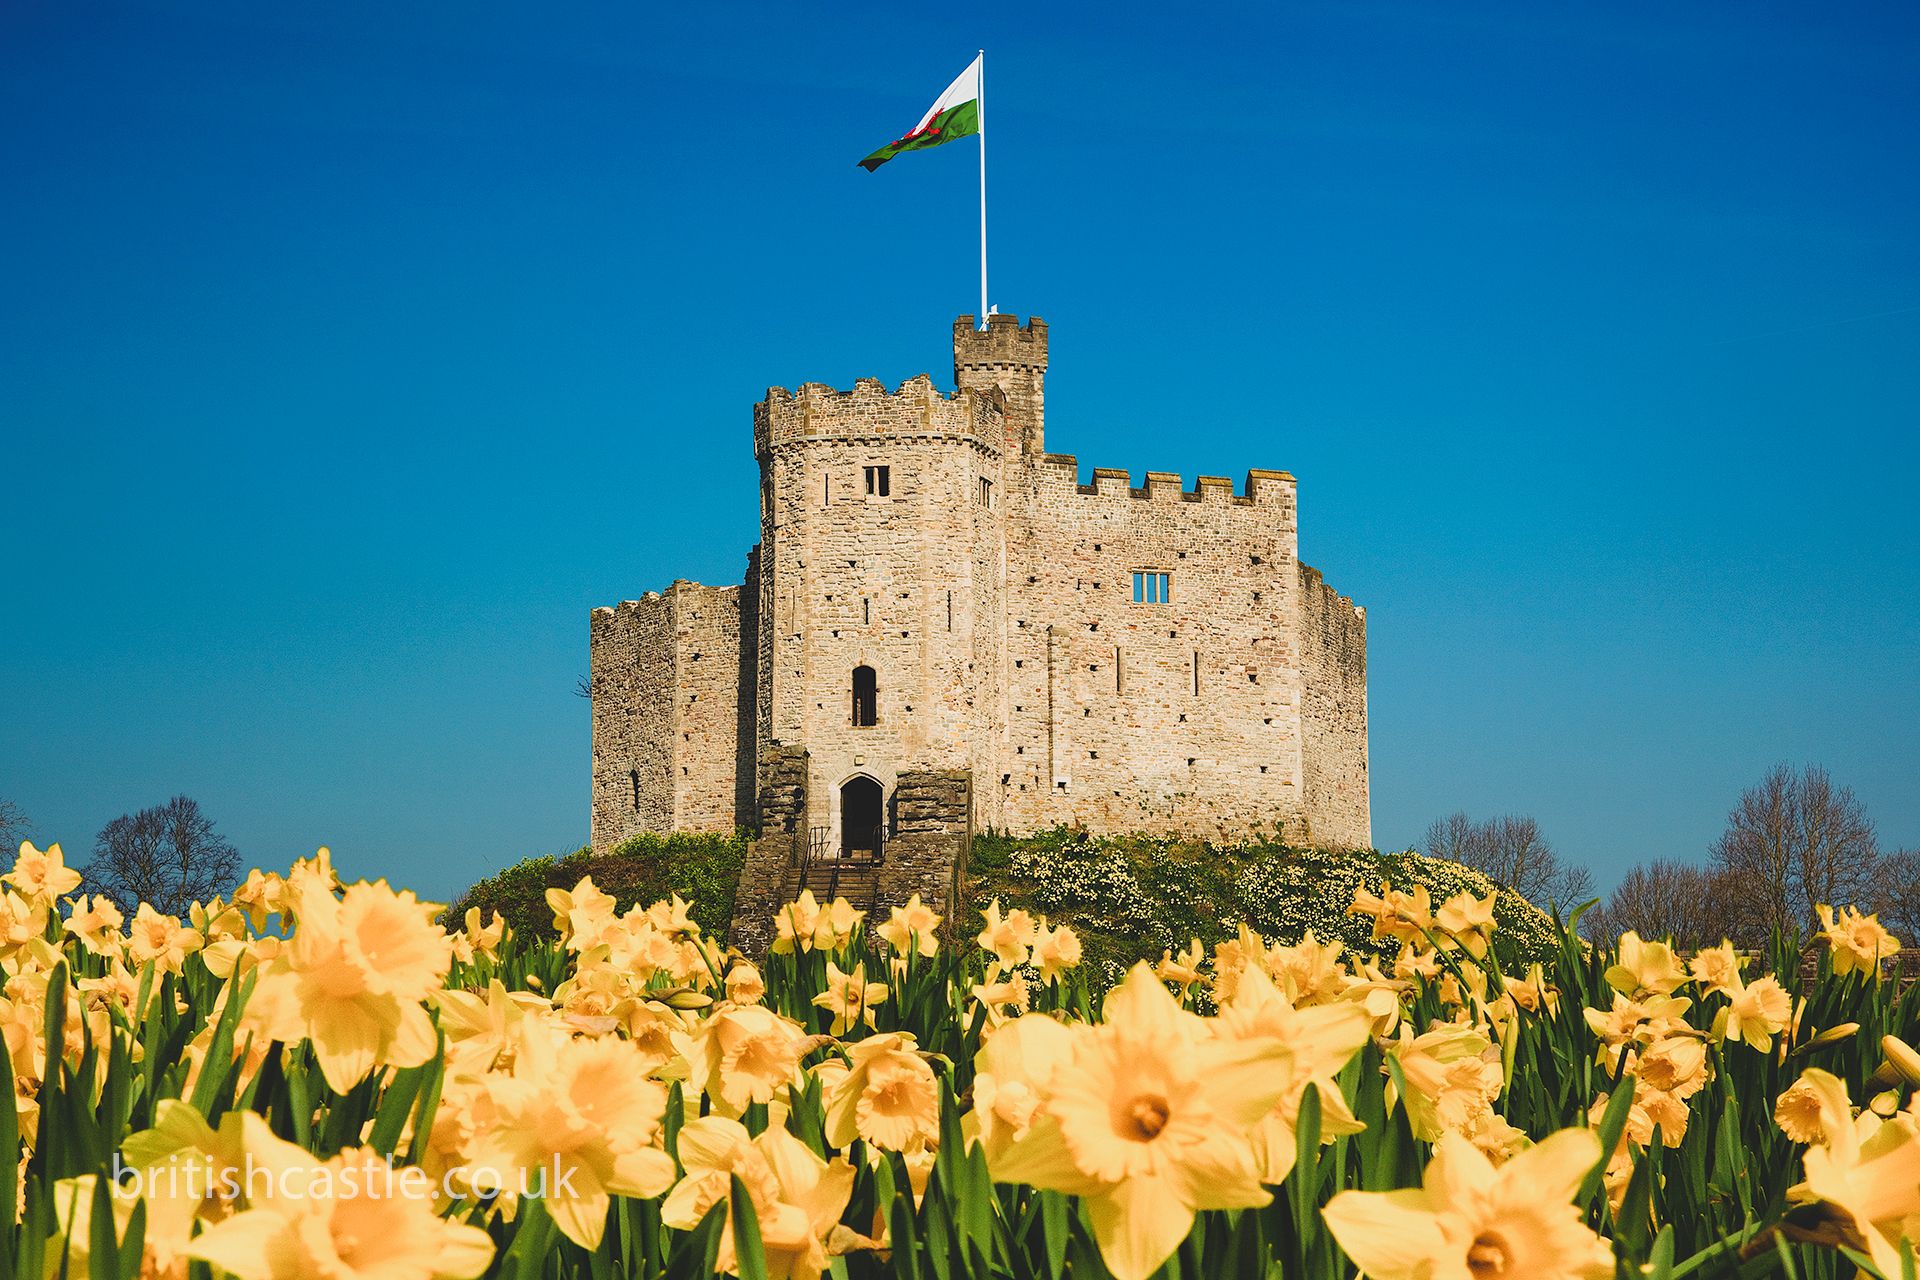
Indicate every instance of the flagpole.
{"type": "Point", "coordinates": [980, 106]}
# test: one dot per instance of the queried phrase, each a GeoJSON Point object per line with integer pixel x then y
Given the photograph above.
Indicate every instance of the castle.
{"type": "Point", "coordinates": [942, 628]}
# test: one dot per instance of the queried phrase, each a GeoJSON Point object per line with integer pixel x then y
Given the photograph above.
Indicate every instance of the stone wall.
{"type": "Point", "coordinates": [934, 801]}
{"type": "Point", "coordinates": [631, 679]}
{"type": "Point", "coordinates": [1333, 634]}
{"type": "Point", "coordinates": [1176, 717]}
{"type": "Point", "coordinates": [671, 745]}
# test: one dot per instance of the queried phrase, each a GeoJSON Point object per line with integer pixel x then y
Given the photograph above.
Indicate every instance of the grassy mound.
{"type": "Point", "coordinates": [1129, 897]}
{"type": "Point", "coordinates": [703, 869]}
{"type": "Point", "coordinates": [1132, 897]}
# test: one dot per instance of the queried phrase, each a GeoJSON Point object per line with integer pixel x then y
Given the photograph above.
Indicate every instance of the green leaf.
{"type": "Point", "coordinates": [750, 1257]}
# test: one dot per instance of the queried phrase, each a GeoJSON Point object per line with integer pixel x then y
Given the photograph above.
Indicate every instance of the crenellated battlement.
{"type": "Point", "coordinates": [915, 408]}
{"type": "Point", "coordinates": [1004, 342]}
{"type": "Point", "coordinates": [1261, 487]}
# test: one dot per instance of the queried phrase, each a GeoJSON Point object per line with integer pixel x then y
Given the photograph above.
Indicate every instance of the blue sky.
{"type": "Point", "coordinates": [350, 353]}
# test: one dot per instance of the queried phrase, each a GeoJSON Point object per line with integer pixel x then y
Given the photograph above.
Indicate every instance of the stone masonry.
{"type": "Point", "coordinates": [927, 544]}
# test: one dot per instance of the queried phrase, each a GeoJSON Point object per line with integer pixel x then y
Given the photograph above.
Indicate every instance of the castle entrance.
{"type": "Point", "coordinates": [862, 815]}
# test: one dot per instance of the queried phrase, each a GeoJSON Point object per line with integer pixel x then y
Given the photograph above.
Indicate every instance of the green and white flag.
{"type": "Point", "coordinates": [954, 114]}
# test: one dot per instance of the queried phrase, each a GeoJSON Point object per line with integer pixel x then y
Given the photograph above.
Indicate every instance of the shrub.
{"type": "Point", "coordinates": [703, 869]}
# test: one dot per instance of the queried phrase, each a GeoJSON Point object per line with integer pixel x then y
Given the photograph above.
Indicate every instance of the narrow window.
{"type": "Point", "coordinates": [1196, 673]}
{"type": "Point", "coordinates": [879, 481]}
{"type": "Point", "coordinates": [826, 491]}
{"type": "Point", "coordinates": [866, 697]}
{"type": "Point", "coordinates": [986, 492]}
{"type": "Point", "coordinates": [866, 608]}
{"type": "Point", "coordinates": [949, 610]}
{"type": "Point", "coordinates": [635, 775]}
{"type": "Point", "coordinates": [1119, 671]}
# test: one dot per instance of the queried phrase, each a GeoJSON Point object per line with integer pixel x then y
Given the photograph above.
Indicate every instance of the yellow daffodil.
{"type": "Point", "coordinates": [1055, 952]}
{"type": "Point", "coordinates": [1857, 942]}
{"type": "Point", "coordinates": [1319, 1042]}
{"type": "Point", "coordinates": [1814, 1108]}
{"type": "Point", "coordinates": [160, 939]}
{"type": "Point", "coordinates": [1405, 917]}
{"type": "Point", "coordinates": [1867, 1174]}
{"type": "Point", "coordinates": [1148, 1124]}
{"type": "Point", "coordinates": [888, 1095]}
{"type": "Point", "coordinates": [41, 876]}
{"type": "Point", "coordinates": [1717, 968]}
{"type": "Point", "coordinates": [1467, 922]}
{"type": "Point", "coordinates": [576, 1118]}
{"type": "Point", "coordinates": [744, 1054]}
{"type": "Point", "coordinates": [1453, 1074]}
{"type": "Point", "coordinates": [850, 998]}
{"type": "Point", "coordinates": [352, 1216]}
{"type": "Point", "coordinates": [1009, 937]}
{"type": "Point", "coordinates": [1645, 968]}
{"type": "Point", "coordinates": [913, 927]}
{"type": "Point", "coordinates": [1470, 1220]}
{"type": "Point", "coordinates": [352, 979]}
{"type": "Point", "coordinates": [1756, 1012]}
{"type": "Point", "coordinates": [797, 1196]}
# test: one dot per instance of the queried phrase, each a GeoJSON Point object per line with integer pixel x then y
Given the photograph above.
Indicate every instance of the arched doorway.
{"type": "Point", "coordinates": [862, 815]}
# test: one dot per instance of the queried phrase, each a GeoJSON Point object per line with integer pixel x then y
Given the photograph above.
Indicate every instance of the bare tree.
{"type": "Point", "coordinates": [1511, 851]}
{"type": "Point", "coordinates": [1664, 899]}
{"type": "Point", "coordinates": [1898, 900]}
{"type": "Point", "coordinates": [14, 827]}
{"type": "Point", "coordinates": [168, 856]}
{"type": "Point", "coordinates": [1794, 840]}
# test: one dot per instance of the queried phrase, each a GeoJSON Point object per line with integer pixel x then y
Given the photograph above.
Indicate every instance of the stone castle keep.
{"type": "Point", "coordinates": [943, 629]}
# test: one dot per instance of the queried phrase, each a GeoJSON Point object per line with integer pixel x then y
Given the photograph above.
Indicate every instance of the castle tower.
{"type": "Point", "coordinates": [1013, 357]}
{"type": "Point", "coordinates": [882, 576]}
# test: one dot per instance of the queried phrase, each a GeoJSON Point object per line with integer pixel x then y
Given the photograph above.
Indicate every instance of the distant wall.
{"type": "Point", "coordinates": [671, 744]}
{"type": "Point", "coordinates": [1333, 637]}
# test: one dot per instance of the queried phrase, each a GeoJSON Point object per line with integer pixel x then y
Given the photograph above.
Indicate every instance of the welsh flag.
{"type": "Point", "coordinates": [954, 114]}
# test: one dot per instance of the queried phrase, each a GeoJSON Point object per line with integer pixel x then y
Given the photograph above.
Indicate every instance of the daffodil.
{"type": "Point", "coordinates": [850, 998]}
{"type": "Point", "coordinates": [1469, 1219]}
{"type": "Point", "coordinates": [797, 1196]}
{"type": "Point", "coordinates": [1147, 1124]}
{"type": "Point", "coordinates": [577, 1118]}
{"type": "Point", "coordinates": [1467, 922]}
{"type": "Point", "coordinates": [744, 1054]}
{"type": "Point", "coordinates": [1055, 952]}
{"type": "Point", "coordinates": [1319, 1042]}
{"type": "Point", "coordinates": [160, 939]}
{"type": "Point", "coordinates": [1756, 1012]}
{"type": "Point", "coordinates": [1453, 1074]}
{"type": "Point", "coordinates": [1013, 1074]}
{"type": "Point", "coordinates": [1010, 936]}
{"type": "Point", "coordinates": [352, 1216]}
{"type": "Point", "coordinates": [1867, 1174]}
{"type": "Point", "coordinates": [912, 928]}
{"type": "Point", "coordinates": [41, 876]}
{"type": "Point", "coordinates": [1717, 968]}
{"type": "Point", "coordinates": [888, 1095]}
{"type": "Point", "coordinates": [1815, 1108]}
{"type": "Point", "coordinates": [1858, 943]}
{"type": "Point", "coordinates": [352, 979]}
{"type": "Point", "coordinates": [1645, 968]}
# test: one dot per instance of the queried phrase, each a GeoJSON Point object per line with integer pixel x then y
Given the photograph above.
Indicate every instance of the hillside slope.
{"type": "Point", "coordinates": [1129, 897]}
